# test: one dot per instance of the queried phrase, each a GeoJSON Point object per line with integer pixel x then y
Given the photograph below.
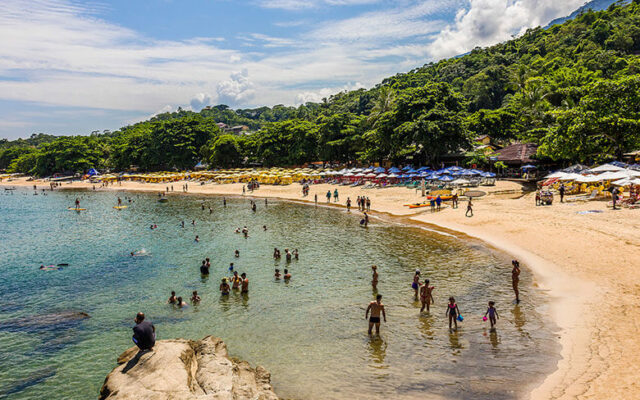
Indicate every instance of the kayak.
{"type": "Point", "coordinates": [76, 209]}
{"type": "Point", "coordinates": [120, 207]}
{"type": "Point", "coordinates": [417, 205]}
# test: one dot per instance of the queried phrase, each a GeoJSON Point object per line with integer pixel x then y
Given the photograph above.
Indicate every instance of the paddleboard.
{"type": "Point", "coordinates": [76, 209]}
{"type": "Point", "coordinates": [120, 207]}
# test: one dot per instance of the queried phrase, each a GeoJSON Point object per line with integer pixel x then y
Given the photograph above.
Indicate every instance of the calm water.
{"type": "Point", "coordinates": [310, 333]}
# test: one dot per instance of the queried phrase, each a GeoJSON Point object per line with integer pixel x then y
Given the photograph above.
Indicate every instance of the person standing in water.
{"type": "Point", "coordinates": [235, 281]}
{"type": "Point", "coordinates": [315, 199]}
{"type": "Point", "coordinates": [453, 312]}
{"type": "Point", "coordinates": [245, 283]}
{"type": "Point", "coordinates": [77, 202]}
{"type": "Point", "coordinates": [426, 296]}
{"type": "Point", "coordinates": [195, 299]}
{"type": "Point", "coordinates": [515, 279]}
{"type": "Point", "coordinates": [224, 287]}
{"type": "Point", "coordinates": [376, 307]}
{"type": "Point", "coordinates": [119, 201]}
{"type": "Point", "coordinates": [224, 202]}
{"type": "Point", "coordinates": [415, 285]}
{"type": "Point", "coordinates": [374, 277]}
{"type": "Point", "coordinates": [493, 313]}
{"type": "Point", "coordinates": [348, 204]}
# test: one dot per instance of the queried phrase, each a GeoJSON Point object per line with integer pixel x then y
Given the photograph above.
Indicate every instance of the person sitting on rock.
{"type": "Point", "coordinates": [144, 333]}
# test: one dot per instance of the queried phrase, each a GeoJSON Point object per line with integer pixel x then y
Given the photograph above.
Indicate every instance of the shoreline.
{"type": "Point", "coordinates": [586, 354]}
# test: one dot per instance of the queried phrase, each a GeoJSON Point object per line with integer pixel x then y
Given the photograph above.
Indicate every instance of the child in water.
{"type": "Point", "coordinates": [224, 287]}
{"type": "Point", "coordinates": [416, 283]}
{"type": "Point", "coordinates": [453, 312]}
{"type": "Point", "coordinates": [493, 313]}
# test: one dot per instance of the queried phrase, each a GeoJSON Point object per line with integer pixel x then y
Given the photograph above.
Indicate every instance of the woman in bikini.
{"type": "Point", "coordinates": [224, 287]}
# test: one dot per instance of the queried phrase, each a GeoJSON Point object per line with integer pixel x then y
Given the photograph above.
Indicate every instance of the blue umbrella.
{"type": "Point", "coordinates": [424, 169]}
{"type": "Point", "coordinates": [489, 175]}
{"type": "Point", "coordinates": [394, 170]}
{"type": "Point", "coordinates": [475, 172]}
{"type": "Point", "coordinates": [379, 170]}
{"type": "Point", "coordinates": [528, 166]}
{"type": "Point", "coordinates": [445, 178]}
{"type": "Point", "coordinates": [407, 167]}
{"type": "Point", "coordinates": [454, 168]}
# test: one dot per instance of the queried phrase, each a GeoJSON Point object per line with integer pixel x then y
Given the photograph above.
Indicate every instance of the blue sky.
{"type": "Point", "coordinates": [72, 67]}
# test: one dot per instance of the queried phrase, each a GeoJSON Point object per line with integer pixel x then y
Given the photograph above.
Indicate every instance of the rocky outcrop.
{"type": "Point", "coordinates": [184, 369]}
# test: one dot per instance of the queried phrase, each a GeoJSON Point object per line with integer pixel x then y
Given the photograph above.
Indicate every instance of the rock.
{"type": "Point", "coordinates": [181, 369]}
{"type": "Point", "coordinates": [45, 322]}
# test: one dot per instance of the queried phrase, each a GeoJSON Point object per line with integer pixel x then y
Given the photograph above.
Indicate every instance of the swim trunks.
{"type": "Point", "coordinates": [374, 320]}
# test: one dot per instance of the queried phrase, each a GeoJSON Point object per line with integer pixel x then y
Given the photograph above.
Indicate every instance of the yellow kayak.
{"type": "Point", "coordinates": [120, 207]}
{"type": "Point", "coordinates": [76, 209]}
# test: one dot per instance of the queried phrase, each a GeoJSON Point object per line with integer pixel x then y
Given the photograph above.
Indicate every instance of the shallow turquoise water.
{"type": "Point", "coordinates": [310, 333]}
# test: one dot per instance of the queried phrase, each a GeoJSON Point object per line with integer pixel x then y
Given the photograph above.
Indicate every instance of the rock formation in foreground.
{"type": "Point", "coordinates": [185, 369]}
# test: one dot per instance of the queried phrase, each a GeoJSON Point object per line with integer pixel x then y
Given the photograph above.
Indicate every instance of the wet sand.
{"type": "Point", "coordinates": [586, 262]}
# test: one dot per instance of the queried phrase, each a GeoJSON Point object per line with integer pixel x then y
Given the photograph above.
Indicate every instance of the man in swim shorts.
{"type": "Point", "coordinates": [376, 307]}
{"type": "Point", "coordinates": [245, 283]}
{"type": "Point", "coordinates": [144, 333]}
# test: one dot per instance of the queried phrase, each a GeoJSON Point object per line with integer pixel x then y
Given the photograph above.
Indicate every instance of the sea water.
{"type": "Point", "coordinates": [310, 333]}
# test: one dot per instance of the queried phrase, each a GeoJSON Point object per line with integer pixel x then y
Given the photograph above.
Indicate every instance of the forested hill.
{"type": "Point", "coordinates": [573, 88]}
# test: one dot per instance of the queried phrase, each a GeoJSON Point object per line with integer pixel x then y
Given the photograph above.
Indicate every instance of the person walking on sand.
{"type": "Point", "coordinates": [515, 279]}
{"type": "Point", "coordinates": [374, 277]}
{"type": "Point", "coordinates": [315, 199]}
{"type": "Point", "coordinates": [438, 202]}
{"type": "Point", "coordinates": [328, 196]}
{"type": "Point", "coordinates": [562, 191]}
{"type": "Point", "coordinates": [493, 314]}
{"type": "Point", "coordinates": [453, 312]}
{"type": "Point", "coordinates": [375, 307]}
{"type": "Point", "coordinates": [244, 189]}
{"type": "Point", "coordinates": [426, 296]}
{"type": "Point", "coordinates": [335, 196]}
{"type": "Point", "coordinates": [469, 209]}
{"type": "Point", "coordinates": [368, 204]}
{"type": "Point", "coordinates": [454, 200]}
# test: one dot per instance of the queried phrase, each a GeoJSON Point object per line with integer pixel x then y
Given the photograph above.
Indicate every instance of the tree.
{"type": "Point", "coordinates": [224, 151]}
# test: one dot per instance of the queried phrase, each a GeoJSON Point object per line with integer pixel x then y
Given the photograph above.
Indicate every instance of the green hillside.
{"type": "Point", "coordinates": [573, 88]}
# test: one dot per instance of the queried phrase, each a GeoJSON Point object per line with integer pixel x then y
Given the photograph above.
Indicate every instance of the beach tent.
{"type": "Point", "coordinates": [606, 168]}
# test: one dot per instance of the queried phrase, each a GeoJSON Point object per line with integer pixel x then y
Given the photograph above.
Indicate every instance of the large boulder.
{"type": "Point", "coordinates": [185, 369]}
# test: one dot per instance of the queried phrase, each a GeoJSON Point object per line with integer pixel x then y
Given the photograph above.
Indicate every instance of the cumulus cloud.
{"type": "Point", "coordinates": [238, 89]}
{"type": "Point", "coordinates": [487, 22]}
{"type": "Point", "coordinates": [200, 101]}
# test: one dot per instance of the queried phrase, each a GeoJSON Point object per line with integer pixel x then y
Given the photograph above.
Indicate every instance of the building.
{"type": "Point", "coordinates": [517, 154]}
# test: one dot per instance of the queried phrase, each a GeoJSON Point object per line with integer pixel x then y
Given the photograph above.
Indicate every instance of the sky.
{"type": "Point", "coordinates": [72, 67]}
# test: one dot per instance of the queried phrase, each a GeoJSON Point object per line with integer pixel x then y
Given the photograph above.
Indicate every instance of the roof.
{"type": "Point", "coordinates": [518, 153]}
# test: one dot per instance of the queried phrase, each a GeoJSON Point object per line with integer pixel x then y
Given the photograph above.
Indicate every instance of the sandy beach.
{"type": "Point", "coordinates": [585, 262]}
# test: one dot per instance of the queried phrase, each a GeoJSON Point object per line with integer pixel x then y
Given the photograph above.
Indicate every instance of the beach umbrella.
{"type": "Point", "coordinates": [383, 175]}
{"type": "Point", "coordinates": [360, 174]}
{"type": "Point", "coordinates": [606, 168]}
{"type": "Point", "coordinates": [455, 168]}
{"type": "Point", "coordinates": [570, 177]}
{"type": "Point", "coordinates": [394, 170]}
{"type": "Point", "coordinates": [528, 166]}
{"type": "Point", "coordinates": [461, 181]}
{"type": "Point", "coordinates": [370, 175]}
{"type": "Point", "coordinates": [622, 182]}
{"type": "Point", "coordinates": [445, 178]}
{"type": "Point", "coordinates": [443, 171]}
{"type": "Point", "coordinates": [489, 175]}
{"type": "Point", "coordinates": [393, 176]}
{"type": "Point", "coordinates": [407, 168]}
{"type": "Point", "coordinates": [411, 171]}
{"type": "Point", "coordinates": [379, 170]}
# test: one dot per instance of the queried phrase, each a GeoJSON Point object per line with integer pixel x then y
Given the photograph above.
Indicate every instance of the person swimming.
{"type": "Point", "coordinates": [197, 240]}
{"type": "Point", "coordinates": [231, 267]}
{"type": "Point", "coordinates": [237, 253]}
{"type": "Point", "coordinates": [276, 275]}
{"type": "Point", "coordinates": [264, 228]}
{"type": "Point", "coordinates": [287, 254]}
{"type": "Point", "coordinates": [287, 275]}
{"type": "Point", "coordinates": [224, 287]}
{"type": "Point", "coordinates": [180, 303]}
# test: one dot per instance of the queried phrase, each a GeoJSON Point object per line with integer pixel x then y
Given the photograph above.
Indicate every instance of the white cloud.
{"type": "Point", "coordinates": [200, 101]}
{"type": "Point", "coordinates": [237, 90]}
{"type": "Point", "coordinates": [486, 22]}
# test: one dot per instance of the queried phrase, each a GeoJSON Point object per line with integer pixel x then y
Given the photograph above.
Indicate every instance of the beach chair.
{"type": "Point", "coordinates": [585, 197]}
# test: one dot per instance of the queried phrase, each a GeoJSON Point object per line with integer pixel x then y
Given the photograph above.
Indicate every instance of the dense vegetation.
{"type": "Point", "coordinates": [573, 88]}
